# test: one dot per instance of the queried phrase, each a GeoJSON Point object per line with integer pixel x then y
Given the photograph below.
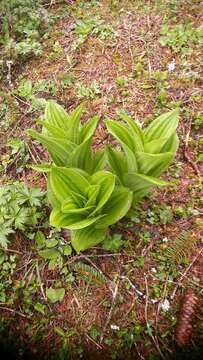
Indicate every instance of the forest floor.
{"type": "Point", "coordinates": [121, 302]}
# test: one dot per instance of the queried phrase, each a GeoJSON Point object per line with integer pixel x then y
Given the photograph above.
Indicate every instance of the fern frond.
{"type": "Point", "coordinates": [182, 247]}
{"type": "Point", "coordinates": [90, 274]}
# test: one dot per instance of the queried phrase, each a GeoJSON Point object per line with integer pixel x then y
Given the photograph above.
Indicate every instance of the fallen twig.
{"type": "Point", "coordinates": [115, 292]}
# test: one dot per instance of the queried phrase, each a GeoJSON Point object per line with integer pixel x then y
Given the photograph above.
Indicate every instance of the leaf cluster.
{"type": "Point", "coordinates": [18, 209]}
{"type": "Point", "coordinates": [89, 191]}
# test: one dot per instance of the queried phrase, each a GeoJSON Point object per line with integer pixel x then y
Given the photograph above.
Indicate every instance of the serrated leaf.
{"type": "Point", "coordinates": [87, 238]}
{"type": "Point", "coordinates": [67, 250]}
{"type": "Point", "coordinates": [55, 295]}
{"type": "Point", "coordinates": [49, 254]}
{"type": "Point", "coordinates": [40, 239]}
{"type": "Point", "coordinates": [51, 243]}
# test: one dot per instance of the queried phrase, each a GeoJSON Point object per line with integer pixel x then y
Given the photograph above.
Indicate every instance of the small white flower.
{"type": "Point", "coordinates": [165, 306]}
{"type": "Point", "coordinates": [165, 240]}
{"type": "Point", "coordinates": [172, 65]}
{"type": "Point", "coordinates": [153, 270]}
{"type": "Point", "coordinates": [115, 327]}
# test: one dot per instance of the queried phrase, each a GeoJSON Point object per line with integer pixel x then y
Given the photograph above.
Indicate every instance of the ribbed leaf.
{"type": "Point", "coordinates": [87, 238]}
{"type": "Point", "coordinates": [121, 133]}
{"type": "Point", "coordinates": [67, 181]}
{"type": "Point", "coordinates": [162, 127]}
{"type": "Point", "coordinates": [81, 157]}
{"type": "Point", "coordinates": [88, 129]}
{"type": "Point", "coordinates": [141, 184]}
{"type": "Point", "coordinates": [117, 161]}
{"type": "Point", "coordinates": [52, 199]}
{"type": "Point", "coordinates": [92, 194]}
{"type": "Point", "coordinates": [131, 158]}
{"type": "Point", "coordinates": [53, 130]}
{"type": "Point", "coordinates": [134, 127]}
{"type": "Point", "coordinates": [155, 146]}
{"type": "Point", "coordinates": [70, 207]}
{"type": "Point", "coordinates": [71, 221]}
{"type": "Point", "coordinates": [98, 160]}
{"type": "Point", "coordinates": [74, 124]}
{"type": "Point", "coordinates": [106, 182]}
{"type": "Point", "coordinates": [117, 206]}
{"type": "Point", "coordinates": [58, 150]}
{"type": "Point", "coordinates": [153, 164]}
{"type": "Point", "coordinates": [172, 144]}
{"type": "Point", "coordinates": [56, 115]}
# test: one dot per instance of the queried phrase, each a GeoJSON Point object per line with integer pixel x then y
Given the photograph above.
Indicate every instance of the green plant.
{"type": "Point", "coordinates": [181, 248]}
{"type": "Point", "coordinates": [67, 141]}
{"type": "Point", "coordinates": [90, 92]}
{"type": "Point", "coordinates": [146, 153]}
{"type": "Point", "coordinates": [18, 209]}
{"type": "Point", "coordinates": [86, 204]}
{"type": "Point", "coordinates": [179, 37]}
{"type": "Point", "coordinates": [90, 274]}
{"type": "Point", "coordinates": [23, 25]}
{"type": "Point", "coordinates": [26, 89]}
{"type": "Point", "coordinates": [87, 199]}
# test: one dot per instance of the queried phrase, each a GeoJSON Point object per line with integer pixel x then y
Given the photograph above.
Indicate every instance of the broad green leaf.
{"type": "Point", "coordinates": [172, 144]}
{"type": "Point", "coordinates": [117, 161]}
{"type": "Point", "coordinates": [56, 115]}
{"type": "Point", "coordinates": [69, 207]}
{"type": "Point", "coordinates": [131, 158]}
{"type": "Point", "coordinates": [55, 295]}
{"type": "Point", "coordinates": [87, 238]}
{"type": "Point", "coordinates": [65, 181]}
{"type": "Point", "coordinates": [162, 127]}
{"type": "Point", "coordinates": [52, 199]}
{"type": "Point", "coordinates": [134, 127]}
{"type": "Point", "coordinates": [53, 130]}
{"type": "Point", "coordinates": [59, 150]}
{"type": "Point", "coordinates": [92, 195]}
{"type": "Point", "coordinates": [141, 184]}
{"type": "Point", "coordinates": [81, 157]}
{"type": "Point", "coordinates": [71, 221]}
{"type": "Point", "coordinates": [153, 164]}
{"type": "Point", "coordinates": [155, 146]}
{"type": "Point", "coordinates": [51, 243]}
{"type": "Point", "coordinates": [49, 254]}
{"type": "Point", "coordinates": [121, 133]}
{"type": "Point", "coordinates": [74, 124]}
{"type": "Point", "coordinates": [98, 160]}
{"type": "Point", "coordinates": [116, 208]}
{"type": "Point", "coordinates": [106, 181]}
{"type": "Point", "coordinates": [88, 129]}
